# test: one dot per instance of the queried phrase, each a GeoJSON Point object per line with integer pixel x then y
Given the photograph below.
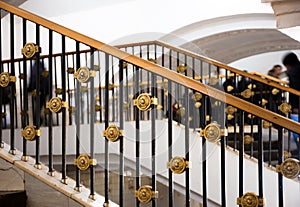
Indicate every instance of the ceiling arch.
{"type": "Point", "coordinates": [234, 45]}
{"type": "Point", "coordinates": [232, 38]}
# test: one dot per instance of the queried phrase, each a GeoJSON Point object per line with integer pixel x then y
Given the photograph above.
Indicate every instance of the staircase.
{"type": "Point", "coordinates": [110, 110]}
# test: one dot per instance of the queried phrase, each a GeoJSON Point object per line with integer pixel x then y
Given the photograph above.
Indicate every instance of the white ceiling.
{"type": "Point", "coordinates": [63, 7]}
{"type": "Point", "coordinates": [225, 46]}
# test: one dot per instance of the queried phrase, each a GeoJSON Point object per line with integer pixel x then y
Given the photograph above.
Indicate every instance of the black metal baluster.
{"type": "Point", "coordinates": [260, 152]}
{"type": "Point", "coordinates": [163, 81]}
{"type": "Point", "coordinates": [187, 145]}
{"type": "Point", "coordinates": [202, 125]}
{"type": "Point", "coordinates": [137, 134]}
{"type": "Point", "coordinates": [170, 137]}
{"type": "Point", "coordinates": [252, 124]}
{"type": "Point", "coordinates": [92, 130]}
{"type": "Point", "coordinates": [73, 89]}
{"type": "Point", "coordinates": [32, 95]}
{"type": "Point", "coordinates": [113, 90]}
{"type": "Point", "coordinates": [193, 109]}
{"type": "Point", "coordinates": [121, 106]}
{"type": "Point", "coordinates": [252, 134]}
{"type": "Point", "coordinates": [50, 120]}
{"type": "Point", "coordinates": [142, 115]}
{"type": "Point", "coordinates": [156, 89]}
{"type": "Point", "coordinates": [241, 154]}
{"type": "Point", "coordinates": [270, 145]}
{"type": "Point", "coordinates": [64, 135]}
{"type": "Point", "coordinates": [106, 114]}
{"type": "Point", "coordinates": [223, 158]}
{"type": "Point", "coordinates": [24, 112]}
{"type": "Point", "coordinates": [280, 160]}
{"type": "Point", "coordinates": [127, 95]}
{"type": "Point", "coordinates": [37, 118]}
{"type": "Point", "coordinates": [69, 91]}
{"type": "Point", "coordinates": [12, 86]}
{"type": "Point", "coordinates": [21, 93]}
{"type": "Point", "coordinates": [177, 92]}
{"type": "Point", "coordinates": [100, 89]}
{"type": "Point", "coordinates": [153, 139]}
{"type": "Point", "coordinates": [235, 117]}
{"type": "Point", "coordinates": [77, 115]}
{"type": "Point", "coordinates": [15, 100]}
{"type": "Point", "coordinates": [55, 84]}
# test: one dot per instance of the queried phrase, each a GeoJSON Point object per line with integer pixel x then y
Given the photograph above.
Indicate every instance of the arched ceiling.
{"type": "Point", "coordinates": [234, 45]}
{"type": "Point", "coordinates": [12, 2]}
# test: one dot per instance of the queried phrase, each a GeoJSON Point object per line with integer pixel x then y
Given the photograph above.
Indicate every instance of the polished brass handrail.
{"type": "Point", "coordinates": [154, 68]}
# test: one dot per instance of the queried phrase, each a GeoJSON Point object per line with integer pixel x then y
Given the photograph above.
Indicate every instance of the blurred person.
{"type": "Point", "coordinates": [44, 85]}
{"type": "Point", "coordinates": [275, 71]}
{"type": "Point", "coordinates": [292, 64]}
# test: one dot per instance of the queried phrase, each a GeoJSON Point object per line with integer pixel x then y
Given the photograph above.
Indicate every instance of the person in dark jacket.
{"type": "Point", "coordinates": [292, 64]}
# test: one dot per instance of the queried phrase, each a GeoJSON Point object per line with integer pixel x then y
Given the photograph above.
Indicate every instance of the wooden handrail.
{"type": "Point", "coordinates": [254, 76]}
{"type": "Point", "coordinates": [164, 72]}
{"type": "Point", "coordinates": [270, 78]}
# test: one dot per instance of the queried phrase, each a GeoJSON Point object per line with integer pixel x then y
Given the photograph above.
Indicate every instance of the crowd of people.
{"type": "Point", "coordinates": [292, 65]}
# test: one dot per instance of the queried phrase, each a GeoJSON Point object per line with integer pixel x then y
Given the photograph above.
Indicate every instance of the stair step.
{"type": "Point", "coordinates": [13, 199]}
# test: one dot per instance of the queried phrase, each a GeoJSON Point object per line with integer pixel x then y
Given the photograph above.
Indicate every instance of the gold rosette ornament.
{"type": "Point", "coordinates": [247, 93]}
{"type": "Point", "coordinates": [285, 108]}
{"type": "Point", "coordinates": [144, 102]}
{"type": "Point", "coordinates": [250, 200]}
{"type": "Point", "coordinates": [181, 68]}
{"type": "Point", "coordinates": [30, 49]}
{"type": "Point", "coordinates": [83, 74]}
{"type": "Point", "coordinates": [83, 162]}
{"type": "Point", "coordinates": [290, 168]}
{"type": "Point", "coordinates": [212, 132]}
{"type": "Point", "coordinates": [55, 105]}
{"type": "Point", "coordinates": [30, 133]}
{"type": "Point", "coordinates": [178, 165]}
{"type": "Point", "coordinates": [145, 194]}
{"type": "Point", "coordinates": [112, 133]}
{"type": "Point", "coordinates": [5, 79]}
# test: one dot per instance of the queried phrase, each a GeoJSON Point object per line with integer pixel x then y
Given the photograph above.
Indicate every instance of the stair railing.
{"type": "Point", "coordinates": [213, 125]}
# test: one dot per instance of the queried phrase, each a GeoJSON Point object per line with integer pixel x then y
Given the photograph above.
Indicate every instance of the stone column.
{"type": "Point", "coordinates": [287, 12]}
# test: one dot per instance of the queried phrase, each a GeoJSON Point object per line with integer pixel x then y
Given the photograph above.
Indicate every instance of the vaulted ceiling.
{"type": "Point", "coordinates": [13, 2]}
{"type": "Point", "coordinates": [237, 44]}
